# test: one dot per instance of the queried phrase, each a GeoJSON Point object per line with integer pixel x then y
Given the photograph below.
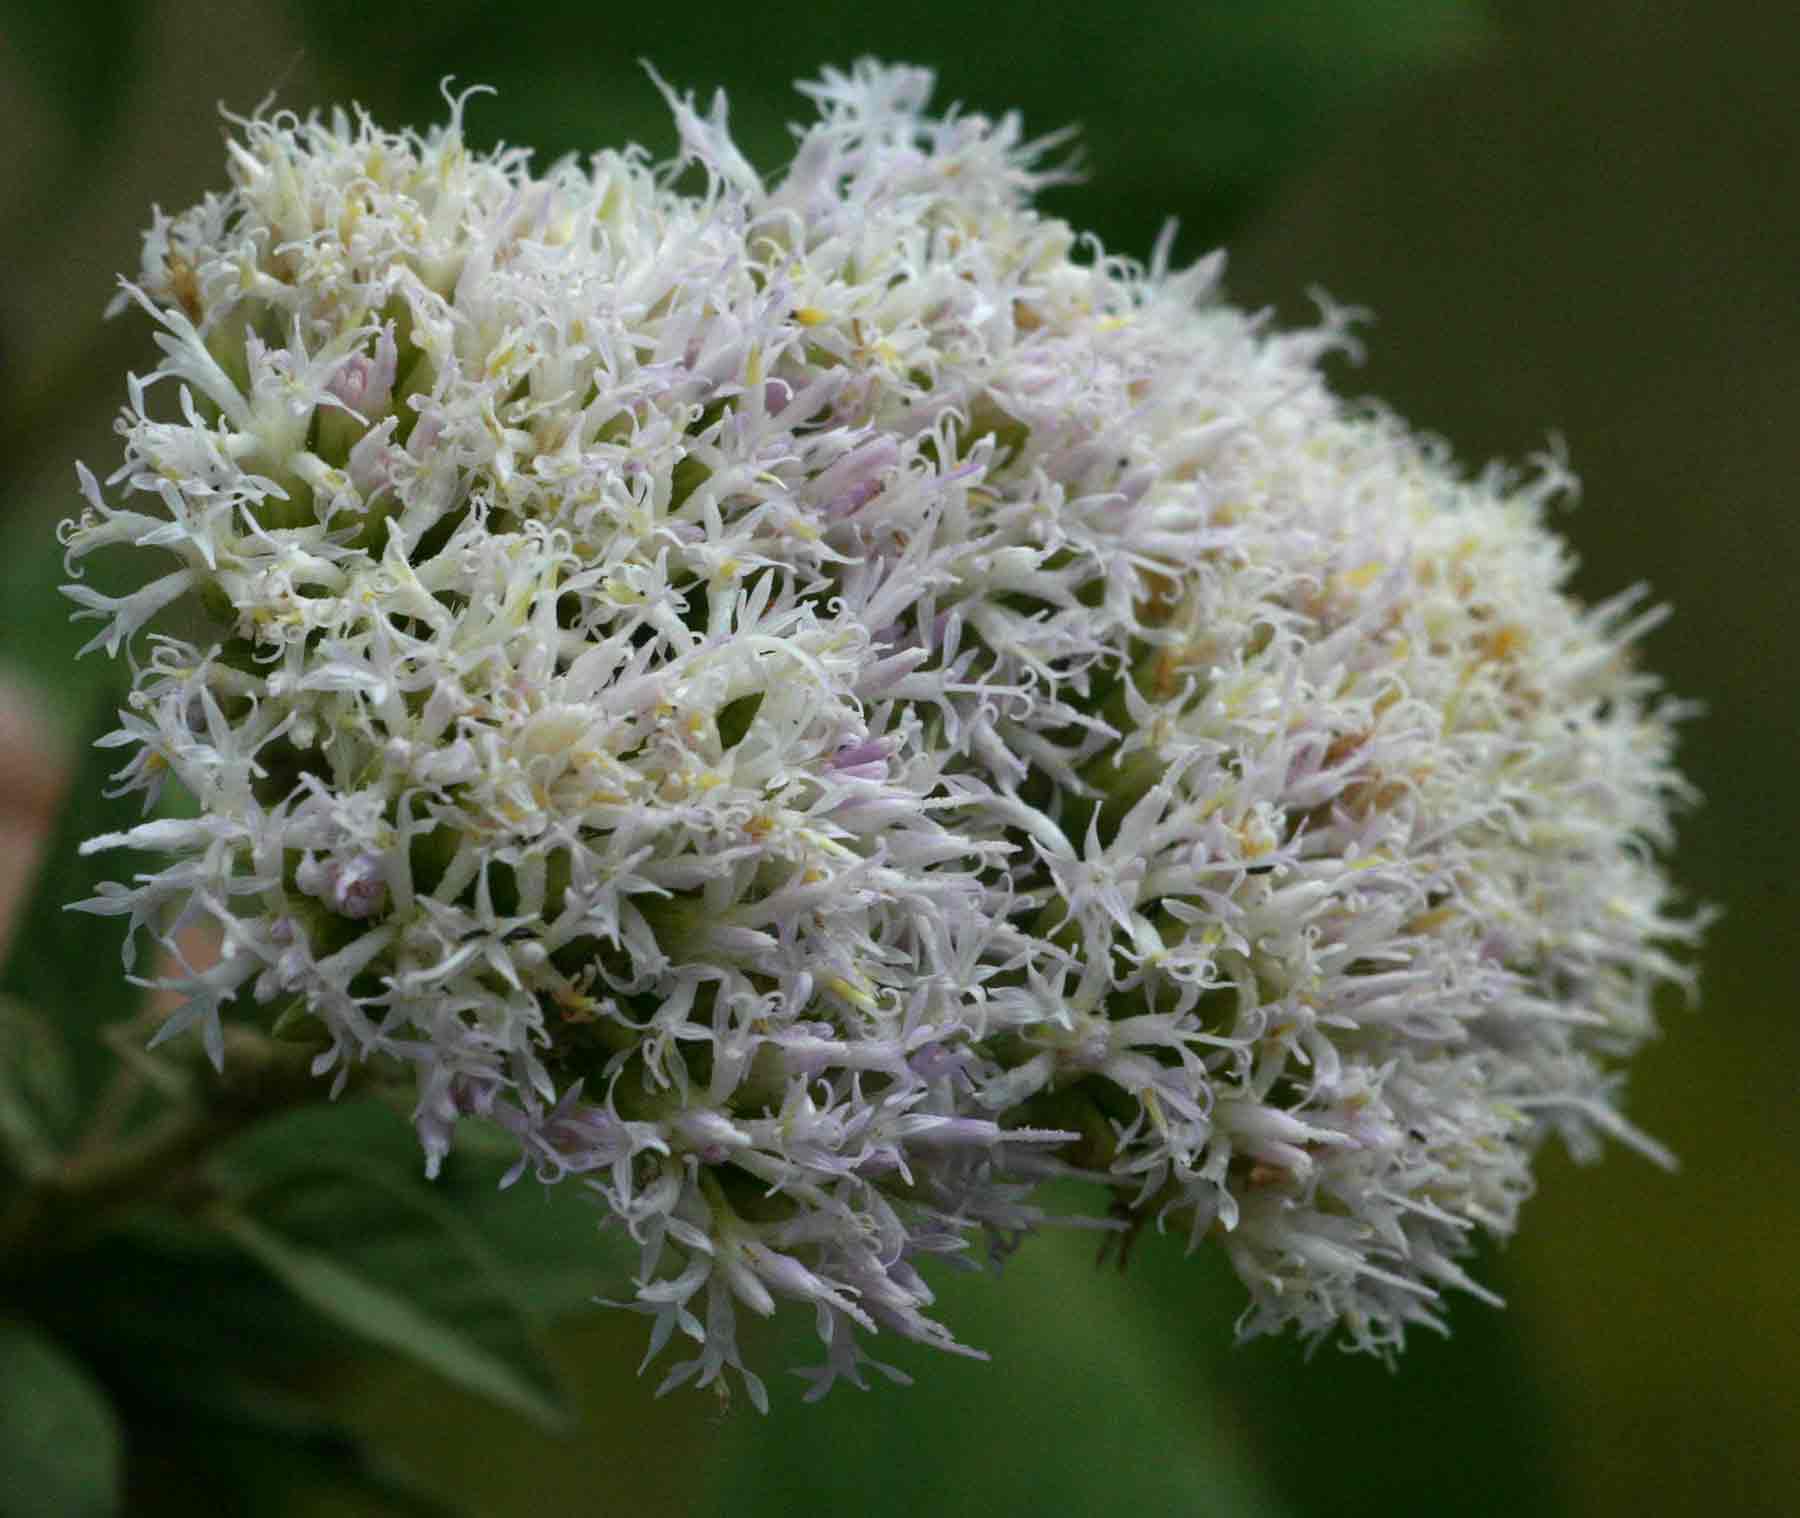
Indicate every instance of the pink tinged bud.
{"type": "Point", "coordinates": [856, 479]}
{"type": "Point", "coordinates": [351, 382]}
{"type": "Point", "coordinates": [360, 889]}
{"type": "Point", "coordinates": [365, 383]}
{"type": "Point", "coordinates": [865, 761]}
{"type": "Point", "coordinates": [853, 500]}
{"type": "Point", "coordinates": [354, 887]}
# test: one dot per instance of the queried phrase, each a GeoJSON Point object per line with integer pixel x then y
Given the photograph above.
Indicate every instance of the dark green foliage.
{"type": "Point", "coordinates": [352, 1231]}
{"type": "Point", "coordinates": [64, 968]}
{"type": "Point", "coordinates": [59, 1440]}
{"type": "Point", "coordinates": [1193, 110]}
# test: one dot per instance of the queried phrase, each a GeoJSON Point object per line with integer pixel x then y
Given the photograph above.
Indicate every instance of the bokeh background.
{"type": "Point", "coordinates": [1576, 218]}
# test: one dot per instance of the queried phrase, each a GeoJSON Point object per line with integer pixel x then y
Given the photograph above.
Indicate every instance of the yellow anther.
{"type": "Point", "coordinates": [855, 995]}
{"type": "Point", "coordinates": [1362, 577]}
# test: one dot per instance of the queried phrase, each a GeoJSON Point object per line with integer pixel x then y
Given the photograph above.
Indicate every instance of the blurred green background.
{"type": "Point", "coordinates": [1576, 218]}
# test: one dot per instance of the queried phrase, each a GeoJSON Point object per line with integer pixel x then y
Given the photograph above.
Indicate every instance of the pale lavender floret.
{"type": "Point", "coordinates": [800, 688]}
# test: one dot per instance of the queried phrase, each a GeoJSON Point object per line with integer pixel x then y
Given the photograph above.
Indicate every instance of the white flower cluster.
{"type": "Point", "coordinates": [818, 709]}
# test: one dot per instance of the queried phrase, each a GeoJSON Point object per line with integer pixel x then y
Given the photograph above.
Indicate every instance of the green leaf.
{"type": "Point", "coordinates": [254, 1448]}
{"type": "Point", "coordinates": [400, 1270]}
{"type": "Point", "coordinates": [35, 1099]}
{"type": "Point", "coordinates": [364, 1137]}
{"type": "Point", "coordinates": [65, 964]}
{"type": "Point", "coordinates": [1473, 1412]}
{"type": "Point", "coordinates": [1201, 111]}
{"type": "Point", "coordinates": [550, 1238]}
{"type": "Point", "coordinates": [735, 718]}
{"type": "Point", "coordinates": [43, 641]}
{"type": "Point", "coordinates": [162, 1291]}
{"type": "Point", "coordinates": [82, 54]}
{"type": "Point", "coordinates": [1195, 110]}
{"type": "Point", "coordinates": [59, 1440]}
{"type": "Point", "coordinates": [1093, 1402]}
{"type": "Point", "coordinates": [546, 1239]}
{"type": "Point", "coordinates": [192, 1338]}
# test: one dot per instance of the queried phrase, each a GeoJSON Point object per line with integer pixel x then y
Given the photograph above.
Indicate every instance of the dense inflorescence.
{"type": "Point", "coordinates": [817, 709]}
